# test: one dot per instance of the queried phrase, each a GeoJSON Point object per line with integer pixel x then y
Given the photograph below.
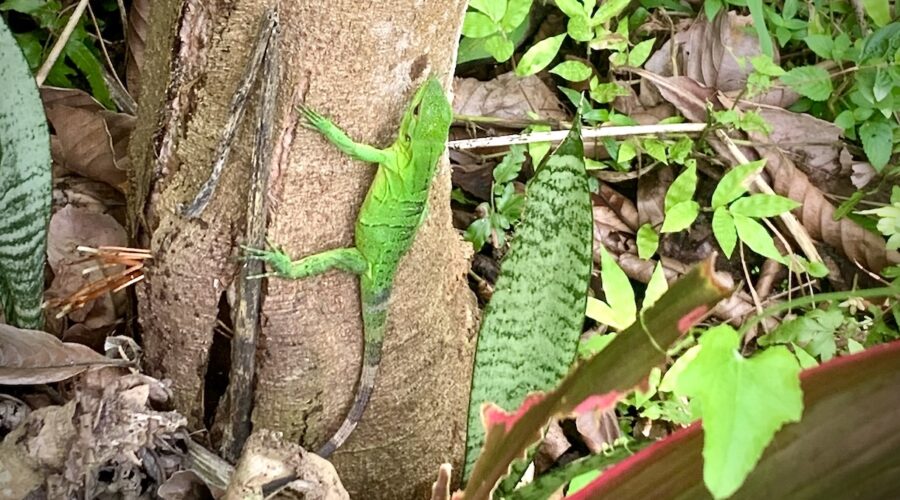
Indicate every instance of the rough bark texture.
{"type": "Point", "coordinates": [358, 64]}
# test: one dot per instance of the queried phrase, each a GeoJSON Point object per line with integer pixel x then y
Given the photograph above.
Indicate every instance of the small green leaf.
{"type": "Point", "coordinates": [742, 402]}
{"type": "Point", "coordinates": [579, 28]}
{"type": "Point", "coordinates": [609, 10]}
{"type": "Point", "coordinates": [821, 45]}
{"type": "Point", "coordinates": [594, 344]}
{"type": "Point", "coordinates": [757, 13]}
{"type": "Point", "coordinates": [478, 25]}
{"type": "Point", "coordinates": [755, 236]}
{"type": "Point", "coordinates": [656, 287]}
{"type": "Point", "coordinates": [680, 216]}
{"type": "Point", "coordinates": [22, 6]}
{"type": "Point", "coordinates": [656, 149]}
{"type": "Point", "coordinates": [765, 65]}
{"type": "Point", "coordinates": [627, 152]}
{"type": "Point", "coordinates": [670, 379]}
{"type": "Point", "coordinates": [845, 119]}
{"type": "Point", "coordinates": [724, 230]}
{"type": "Point", "coordinates": [647, 241]}
{"type": "Point", "coordinates": [516, 12]}
{"type": "Point", "coordinates": [803, 358]}
{"type": "Point", "coordinates": [573, 71]}
{"type": "Point", "coordinates": [499, 47]}
{"type": "Point", "coordinates": [814, 332]}
{"type": "Point", "coordinates": [735, 182]}
{"type": "Point", "coordinates": [539, 55]}
{"type": "Point", "coordinates": [607, 92]}
{"type": "Point", "coordinates": [508, 168]}
{"type": "Point", "coordinates": [877, 142]}
{"type": "Point", "coordinates": [478, 233]}
{"type": "Point", "coordinates": [679, 151]}
{"type": "Point", "coordinates": [571, 8]}
{"type": "Point", "coordinates": [538, 150]}
{"type": "Point", "coordinates": [494, 9]}
{"type": "Point", "coordinates": [878, 10]}
{"type": "Point", "coordinates": [762, 205]}
{"type": "Point", "coordinates": [883, 85]}
{"type": "Point", "coordinates": [809, 81]}
{"type": "Point", "coordinates": [621, 311]}
{"type": "Point", "coordinates": [682, 188]}
{"type": "Point", "coordinates": [639, 54]}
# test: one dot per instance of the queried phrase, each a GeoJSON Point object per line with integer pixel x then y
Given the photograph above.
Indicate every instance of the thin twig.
{"type": "Point", "coordinates": [587, 133]}
{"type": "Point", "coordinates": [60, 42]}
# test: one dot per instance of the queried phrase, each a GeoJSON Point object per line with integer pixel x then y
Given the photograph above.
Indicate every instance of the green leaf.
{"type": "Point", "coordinates": [24, 188]}
{"type": "Point", "coordinates": [510, 203]}
{"type": "Point", "coordinates": [478, 233]}
{"type": "Point", "coordinates": [494, 9]}
{"type": "Point", "coordinates": [88, 64]}
{"type": "Point", "coordinates": [803, 358]}
{"type": "Point", "coordinates": [679, 151]}
{"type": "Point", "coordinates": [742, 402]}
{"type": "Point", "coordinates": [516, 12]}
{"type": "Point", "coordinates": [735, 182]}
{"type": "Point", "coordinates": [608, 10]}
{"type": "Point", "coordinates": [670, 380]}
{"type": "Point", "coordinates": [573, 71]}
{"type": "Point", "coordinates": [656, 287]}
{"type": "Point", "coordinates": [680, 216]}
{"type": "Point", "coordinates": [656, 149]}
{"type": "Point", "coordinates": [647, 241]}
{"type": "Point", "coordinates": [594, 344]}
{"type": "Point", "coordinates": [607, 92]}
{"type": "Point", "coordinates": [821, 45]}
{"type": "Point", "coordinates": [538, 150]}
{"type": "Point", "coordinates": [639, 54]}
{"type": "Point", "coordinates": [508, 168]}
{"type": "Point", "coordinates": [878, 10]}
{"type": "Point", "coordinates": [845, 119]}
{"type": "Point", "coordinates": [621, 311]}
{"type": "Point", "coordinates": [627, 152]}
{"type": "Point", "coordinates": [809, 81]}
{"type": "Point", "coordinates": [579, 28]}
{"type": "Point", "coordinates": [499, 47]}
{"type": "Point", "coordinates": [755, 236]}
{"type": "Point", "coordinates": [765, 65]}
{"type": "Point", "coordinates": [883, 85]}
{"type": "Point", "coordinates": [876, 136]}
{"type": "Point", "coordinates": [763, 205]}
{"type": "Point", "coordinates": [682, 188]}
{"type": "Point", "coordinates": [724, 230]}
{"type": "Point", "coordinates": [571, 8]}
{"type": "Point", "coordinates": [814, 332]}
{"type": "Point", "coordinates": [539, 55]}
{"type": "Point", "coordinates": [478, 25]}
{"type": "Point", "coordinates": [23, 6]}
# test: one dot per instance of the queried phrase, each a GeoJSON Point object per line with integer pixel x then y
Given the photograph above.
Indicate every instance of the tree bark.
{"type": "Point", "coordinates": [357, 64]}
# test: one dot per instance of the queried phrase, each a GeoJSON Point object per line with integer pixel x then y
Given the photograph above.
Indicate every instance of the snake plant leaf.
{"type": "Point", "coordinates": [24, 188]}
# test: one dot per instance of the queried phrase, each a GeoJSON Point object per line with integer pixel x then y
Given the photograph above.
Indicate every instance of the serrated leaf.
{"type": "Point", "coordinates": [656, 287]}
{"type": "Point", "coordinates": [680, 216]}
{"type": "Point", "coordinates": [539, 55]}
{"type": "Point", "coordinates": [742, 402]}
{"type": "Point", "coordinates": [724, 230]}
{"type": "Point", "coordinates": [508, 168]}
{"type": "Point", "coordinates": [640, 52]}
{"type": "Point", "coordinates": [647, 241]}
{"type": "Point", "coordinates": [734, 183]}
{"type": "Point", "coordinates": [876, 136]}
{"type": "Point", "coordinates": [821, 45]}
{"type": "Point", "coordinates": [478, 25]}
{"type": "Point", "coordinates": [809, 81]}
{"type": "Point", "coordinates": [814, 332]}
{"type": "Point", "coordinates": [682, 188]}
{"type": "Point", "coordinates": [607, 92]}
{"type": "Point", "coordinates": [573, 71]}
{"type": "Point", "coordinates": [762, 205]}
{"type": "Point", "coordinates": [755, 236]}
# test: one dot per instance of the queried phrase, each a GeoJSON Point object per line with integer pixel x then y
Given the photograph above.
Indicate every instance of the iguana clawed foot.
{"type": "Point", "coordinates": [274, 256]}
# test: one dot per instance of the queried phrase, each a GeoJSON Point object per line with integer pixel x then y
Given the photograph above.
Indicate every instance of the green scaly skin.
{"type": "Point", "coordinates": [388, 221]}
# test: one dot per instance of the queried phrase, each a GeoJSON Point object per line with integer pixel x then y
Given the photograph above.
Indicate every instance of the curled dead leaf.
{"type": "Point", "coordinates": [508, 97]}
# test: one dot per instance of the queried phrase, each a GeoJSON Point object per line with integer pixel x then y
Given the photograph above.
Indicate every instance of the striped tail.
{"type": "Point", "coordinates": [374, 307]}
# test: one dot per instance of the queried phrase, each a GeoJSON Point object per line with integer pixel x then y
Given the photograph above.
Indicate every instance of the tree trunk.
{"type": "Point", "coordinates": [358, 64]}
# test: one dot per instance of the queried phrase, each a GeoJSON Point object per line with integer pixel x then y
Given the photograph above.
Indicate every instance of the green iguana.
{"type": "Point", "coordinates": [390, 216]}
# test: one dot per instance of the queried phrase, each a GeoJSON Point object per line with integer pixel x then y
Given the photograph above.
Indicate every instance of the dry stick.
{"type": "Point", "coordinates": [60, 43]}
{"type": "Point", "coordinates": [797, 229]}
{"type": "Point", "coordinates": [588, 133]}
{"type": "Point", "coordinates": [235, 114]}
{"type": "Point", "coordinates": [246, 324]}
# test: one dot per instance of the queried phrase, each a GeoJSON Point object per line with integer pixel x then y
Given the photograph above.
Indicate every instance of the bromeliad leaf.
{"type": "Point", "coordinates": [742, 402]}
{"type": "Point", "coordinates": [24, 188]}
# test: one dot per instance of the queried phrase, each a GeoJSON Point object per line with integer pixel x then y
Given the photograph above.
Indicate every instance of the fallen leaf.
{"type": "Point", "coordinates": [507, 97]}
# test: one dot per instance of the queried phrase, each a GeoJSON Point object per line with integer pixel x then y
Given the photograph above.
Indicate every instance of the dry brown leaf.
{"type": "Point", "coordinates": [620, 205]}
{"type": "Point", "coordinates": [508, 97]}
{"type": "Point", "coordinates": [551, 448]}
{"type": "Point", "coordinates": [598, 429]}
{"type": "Point", "coordinates": [87, 144]}
{"type": "Point", "coordinates": [651, 196]}
{"type": "Point", "coordinates": [36, 357]}
{"type": "Point", "coordinates": [70, 228]}
{"type": "Point", "coordinates": [135, 39]}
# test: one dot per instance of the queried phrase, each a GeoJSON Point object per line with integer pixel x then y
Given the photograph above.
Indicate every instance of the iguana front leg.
{"type": "Point", "coordinates": [345, 259]}
{"type": "Point", "coordinates": [336, 136]}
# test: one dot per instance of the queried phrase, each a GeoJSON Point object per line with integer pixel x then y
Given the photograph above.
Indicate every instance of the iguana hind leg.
{"type": "Point", "coordinates": [345, 259]}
